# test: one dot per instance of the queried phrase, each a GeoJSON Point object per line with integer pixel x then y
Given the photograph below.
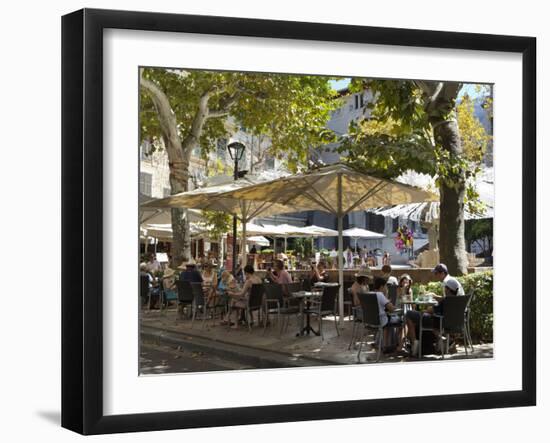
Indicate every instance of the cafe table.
{"type": "Point", "coordinates": [305, 298]}
{"type": "Point", "coordinates": [409, 304]}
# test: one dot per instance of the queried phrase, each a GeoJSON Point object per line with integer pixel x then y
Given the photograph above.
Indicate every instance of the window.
{"type": "Point", "coordinates": [395, 224]}
{"type": "Point", "coordinates": [362, 100]}
{"type": "Point", "coordinates": [222, 149]}
{"type": "Point", "coordinates": [375, 222]}
{"type": "Point", "coordinates": [270, 162]}
{"type": "Point", "coordinates": [356, 97]}
{"type": "Point", "coordinates": [146, 149]}
{"type": "Point", "coordinates": [145, 183]}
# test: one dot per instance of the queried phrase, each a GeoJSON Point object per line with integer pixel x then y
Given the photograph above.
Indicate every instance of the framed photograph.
{"type": "Point", "coordinates": [260, 217]}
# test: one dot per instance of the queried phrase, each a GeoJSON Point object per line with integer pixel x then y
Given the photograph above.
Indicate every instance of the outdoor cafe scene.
{"type": "Point", "coordinates": [297, 220]}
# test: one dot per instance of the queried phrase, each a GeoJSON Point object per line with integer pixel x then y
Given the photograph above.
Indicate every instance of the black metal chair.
{"type": "Point", "coordinates": [144, 291]}
{"type": "Point", "coordinates": [468, 314]}
{"type": "Point", "coordinates": [274, 303]}
{"type": "Point", "coordinates": [166, 296]}
{"type": "Point", "coordinates": [326, 306]}
{"type": "Point", "coordinates": [371, 321]}
{"type": "Point", "coordinates": [185, 296]}
{"type": "Point", "coordinates": [306, 285]}
{"type": "Point", "coordinates": [288, 289]}
{"type": "Point", "coordinates": [392, 294]}
{"type": "Point", "coordinates": [348, 299]}
{"type": "Point", "coordinates": [357, 318]}
{"type": "Point", "coordinates": [451, 321]}
{"type": "Point", "coordinates": [255, 303]}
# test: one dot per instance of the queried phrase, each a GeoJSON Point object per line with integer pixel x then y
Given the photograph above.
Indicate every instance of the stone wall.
{"type": "Point", "coordinates": [419, 275]}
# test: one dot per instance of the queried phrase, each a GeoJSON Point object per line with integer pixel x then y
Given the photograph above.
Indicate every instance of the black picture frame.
{"type": "Point", "coordinates": [82, 172]}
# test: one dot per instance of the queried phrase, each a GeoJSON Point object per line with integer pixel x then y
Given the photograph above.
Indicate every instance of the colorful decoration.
{"type": "Point", "coordinates": [404, 239]}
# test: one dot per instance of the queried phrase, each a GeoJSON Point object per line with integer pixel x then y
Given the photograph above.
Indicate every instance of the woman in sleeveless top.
{"type": "Point", "coordinates": [209, 284]}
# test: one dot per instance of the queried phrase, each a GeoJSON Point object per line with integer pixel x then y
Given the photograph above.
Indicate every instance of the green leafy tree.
{"type": "Point", "coordinates": [481, 232]}
{"type": "Point", "coordinates": [217, 223]}
{"type": "Point", "coordinates": [190, 109]}
{"type": "Point", "coordinates": [416, 125]}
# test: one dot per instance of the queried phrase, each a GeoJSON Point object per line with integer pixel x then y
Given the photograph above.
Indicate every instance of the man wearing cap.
{"type": "Point", "coordinates": [451, 287]}
{"type": "Point", "coordinates": [442, 274]}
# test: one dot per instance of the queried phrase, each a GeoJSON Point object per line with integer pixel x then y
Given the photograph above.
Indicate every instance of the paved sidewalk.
{"type": "Point", "coordinates": [272, 350]}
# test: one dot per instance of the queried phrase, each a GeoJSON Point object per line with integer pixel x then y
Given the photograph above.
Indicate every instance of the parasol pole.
{"type": "Point", "coordinates": [340, 253]}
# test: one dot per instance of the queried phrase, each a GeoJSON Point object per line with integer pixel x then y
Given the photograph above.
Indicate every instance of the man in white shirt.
{"type": "Point", "coordinates": [442, 274]}
{"type": "Point", "coordinates": [153, 266]}
{"type": "Point", "coordinates": [450, 287]}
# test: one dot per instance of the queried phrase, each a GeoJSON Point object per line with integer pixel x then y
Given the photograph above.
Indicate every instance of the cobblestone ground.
{"type": "Point", "coordinates": [332, 350]}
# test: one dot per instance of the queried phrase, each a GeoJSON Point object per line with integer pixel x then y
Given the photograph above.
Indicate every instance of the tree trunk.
{"type": "Point", "coordinates": [452, 245]}
{"type": "Point", "coordinates": [178, 161]}
{"type": "Point", "coordinates": [452, 250]}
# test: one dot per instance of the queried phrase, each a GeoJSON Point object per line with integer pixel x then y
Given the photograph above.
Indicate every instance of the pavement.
{"type": "Point", "coordinates": [256, 349]}
{"type": "Point", "coordinates": [166, 359]}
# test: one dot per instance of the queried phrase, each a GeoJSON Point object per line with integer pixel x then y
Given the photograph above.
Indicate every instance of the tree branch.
{"type": "Point", "coordinates": [224, 108]}
{"type": "Point", "coordinates": [166, 116]}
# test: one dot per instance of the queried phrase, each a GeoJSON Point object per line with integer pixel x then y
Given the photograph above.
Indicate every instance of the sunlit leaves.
{"type": "Point", "coordinates": [291, 110]}
{"type": "Point", "coordinates": [474, 137]}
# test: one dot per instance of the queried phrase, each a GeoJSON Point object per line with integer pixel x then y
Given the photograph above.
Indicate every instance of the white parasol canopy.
{"type": "Point", "coordinates": [336, 189]}
{"type": "Point", "coordinates": [258, 240]}
{"type": "Point", "coordinates": [221, 198]}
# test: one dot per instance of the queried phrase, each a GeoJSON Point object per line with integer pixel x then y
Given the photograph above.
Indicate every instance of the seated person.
{"type": "Point", "coordinates": [318, 273]}
{"type": "Point", "coordinates": [360, 285]}
{"type": "Point", "coordinates": [386, 273]}
{"type": "Point", "coordinates": [404, 289]}
{"type": "Point", "coordinates": [385, 307]}
{"type": "Point", "coordinates": [169, 282]}
{"type": "Point", "coordinates": [239, 297]}
{"type": "Point", "coordinates": [209, 284]}
{"type": "Point", "coordinates": [189, 272]}
{"type": "Point", "coordinates": [441, 274]}
{"type": "Point", "coordinates": [146, 275]}
{"type": "Point", "coordinates": [451, 287]}
{"type": "Point", "coordinates": [279, 275]}
{"type": "Point", "coordinates": [226, 282]}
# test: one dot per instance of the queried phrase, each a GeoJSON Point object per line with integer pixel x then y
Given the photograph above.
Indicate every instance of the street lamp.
{"type": "Point", "coordinates": [236, 150]}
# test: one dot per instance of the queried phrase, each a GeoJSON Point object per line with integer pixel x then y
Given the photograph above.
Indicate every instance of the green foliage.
{"type": "Point", "coordinates": [217, 223]}
{"type": "Point", "coordinates": [480, 231]}
{"type": "Point", "coordinates": [481, 285]}
{"type": "Point", "coordinates": [299, 244]}
{"type": "Point", "coordinates": [473, 137]}
{"type": "Point", "coordinates": [481, 320]}
{"type": "Point", "coordinates": [399, 135]}
{"type": "Point", "coordinates": [267, 251]}
{"type": "Point", "coordinates": [291, 110]}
